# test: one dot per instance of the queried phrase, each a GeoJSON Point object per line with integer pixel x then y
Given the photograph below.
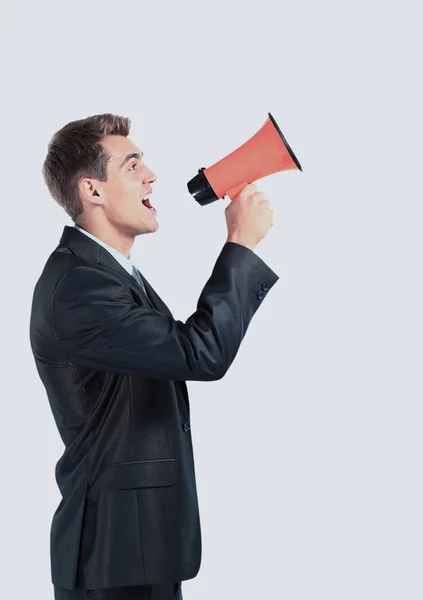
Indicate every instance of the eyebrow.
{"type": "Point", "coordinates": [129, 156]}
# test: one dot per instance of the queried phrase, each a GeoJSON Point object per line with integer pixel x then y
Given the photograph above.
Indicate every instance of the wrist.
{"type": "Point", "coordinates": [241, 242]}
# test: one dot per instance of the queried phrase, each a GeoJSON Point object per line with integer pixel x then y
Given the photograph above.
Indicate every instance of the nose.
{"type": "Point", "coordinates": [151, 177]}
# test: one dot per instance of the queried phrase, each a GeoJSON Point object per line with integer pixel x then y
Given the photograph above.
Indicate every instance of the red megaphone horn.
{"type": "Point", "coordinates": [265, 153]}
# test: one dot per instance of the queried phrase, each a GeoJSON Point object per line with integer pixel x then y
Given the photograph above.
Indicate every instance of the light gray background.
{"type": "Point", "coordinates": [308, 453]}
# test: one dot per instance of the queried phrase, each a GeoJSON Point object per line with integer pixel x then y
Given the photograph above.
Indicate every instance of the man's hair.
{"type": "Point", "coordinates": [74, 152]}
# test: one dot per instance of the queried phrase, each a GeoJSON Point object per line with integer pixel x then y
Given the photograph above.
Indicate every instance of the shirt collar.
{"type": "Point", "coordinates": [125, 262]}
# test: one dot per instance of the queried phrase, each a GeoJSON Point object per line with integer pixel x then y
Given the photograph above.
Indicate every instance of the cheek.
{"type": "Point", "coordinates": [135, 181]}
{"type": "Point", "coordinates": [130, 187]}
{"type": "Point", "coordinates": [123, 194]}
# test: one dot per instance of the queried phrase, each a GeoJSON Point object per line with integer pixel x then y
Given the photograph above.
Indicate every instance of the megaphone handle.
{"type": "Point", "coordinates": [235, 190]}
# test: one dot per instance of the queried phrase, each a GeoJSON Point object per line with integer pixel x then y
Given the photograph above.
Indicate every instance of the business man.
{"type": "Point", "coordinates": [114, 363]}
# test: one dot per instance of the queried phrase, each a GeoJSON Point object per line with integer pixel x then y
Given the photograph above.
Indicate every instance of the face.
{"type": "Point", "coordinates": [128, 181]}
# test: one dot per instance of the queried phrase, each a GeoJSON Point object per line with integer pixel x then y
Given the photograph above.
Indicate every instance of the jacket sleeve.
{"type": "Point", "coordinates": [99, 325]}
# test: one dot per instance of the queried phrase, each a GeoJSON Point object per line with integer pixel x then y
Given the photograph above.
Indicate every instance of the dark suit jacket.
{"type": "Point", "coordinates": [114, 364]}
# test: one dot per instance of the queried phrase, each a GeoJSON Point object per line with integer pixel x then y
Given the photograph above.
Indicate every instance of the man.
{"type": "Point", "coordinates": [114, 363]}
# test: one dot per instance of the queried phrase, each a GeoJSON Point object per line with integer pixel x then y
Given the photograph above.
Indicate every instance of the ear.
{"type": "Point", "coordinates": [89, 190]}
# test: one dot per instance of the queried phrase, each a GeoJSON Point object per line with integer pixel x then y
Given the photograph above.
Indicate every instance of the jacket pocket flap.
{"type": "Point", "coordinates": [157, 472]}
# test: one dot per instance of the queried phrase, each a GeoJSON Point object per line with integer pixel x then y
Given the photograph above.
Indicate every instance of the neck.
{"type": "Point", "coordinates": [116, 239]}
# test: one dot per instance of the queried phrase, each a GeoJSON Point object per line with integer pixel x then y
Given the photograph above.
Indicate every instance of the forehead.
{"type": "Point", "coordinates": [119, 146]}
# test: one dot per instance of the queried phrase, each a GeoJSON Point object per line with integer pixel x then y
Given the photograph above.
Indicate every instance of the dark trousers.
{"type": "Point", "coordinates": [158, 591]}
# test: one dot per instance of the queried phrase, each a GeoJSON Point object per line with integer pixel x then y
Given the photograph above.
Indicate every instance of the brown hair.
{"type": "Point", "coordinates": [75, 151]}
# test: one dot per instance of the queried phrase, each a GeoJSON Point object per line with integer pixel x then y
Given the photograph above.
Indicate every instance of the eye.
{"type": "Point", "coordinates": [134, 165]}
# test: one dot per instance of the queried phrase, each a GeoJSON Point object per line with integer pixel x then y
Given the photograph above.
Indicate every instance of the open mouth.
{"type": "Point", "coordinates": [147, 204]}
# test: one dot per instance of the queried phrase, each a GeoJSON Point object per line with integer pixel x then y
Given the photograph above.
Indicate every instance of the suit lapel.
{"type": "Point", "coordinates": [84, 246]}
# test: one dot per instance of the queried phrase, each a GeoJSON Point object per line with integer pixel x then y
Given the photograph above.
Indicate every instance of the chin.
{"type": "Point", "coordinates": [148, 228]}
{"type": "Point", "coordinates": [154, 226]}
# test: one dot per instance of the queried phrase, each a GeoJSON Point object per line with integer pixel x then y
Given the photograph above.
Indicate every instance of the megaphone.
{"type": "Point", "coordinates": [265, 153]}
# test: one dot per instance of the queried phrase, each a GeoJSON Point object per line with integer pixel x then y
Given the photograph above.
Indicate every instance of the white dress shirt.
{"type": "Point", "coordinates": [125, 262]}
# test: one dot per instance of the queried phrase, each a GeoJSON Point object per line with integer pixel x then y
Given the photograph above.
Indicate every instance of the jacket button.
{"type": "Point", "coordinates": [264, 286]}
{"type": "Point", "coordinates": [187, 426]}
{"type": "Point", "coordinates": [260, 294]}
